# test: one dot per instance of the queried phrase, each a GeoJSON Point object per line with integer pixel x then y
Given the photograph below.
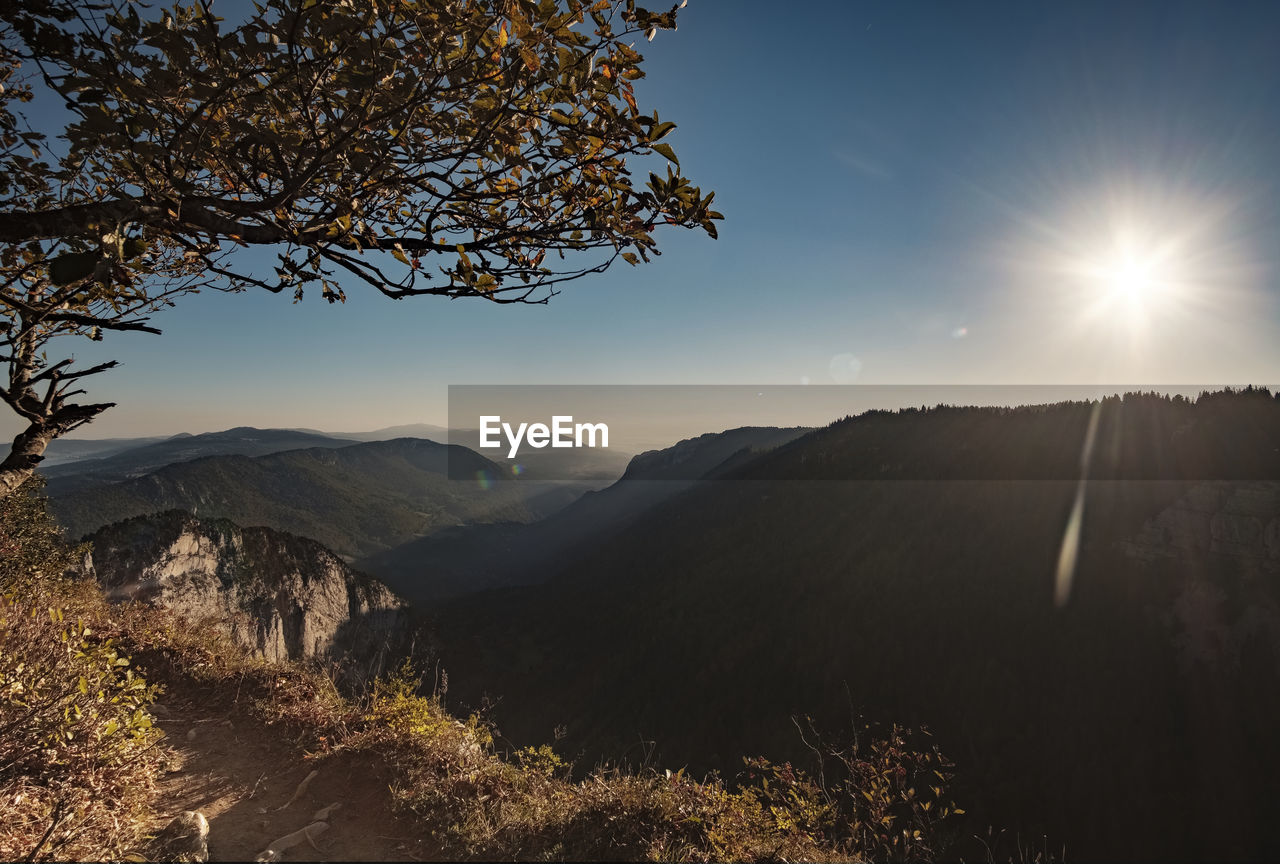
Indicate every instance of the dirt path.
{"type": "Point", "coordinates": [241, 773]}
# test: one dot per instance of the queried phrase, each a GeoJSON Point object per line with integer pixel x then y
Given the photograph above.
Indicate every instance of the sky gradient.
{"type": "Point", "coordinates": [928, 193]}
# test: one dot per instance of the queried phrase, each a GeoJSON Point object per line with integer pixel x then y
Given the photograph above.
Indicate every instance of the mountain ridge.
{"type": "Point", "coordinates": [136, 461]}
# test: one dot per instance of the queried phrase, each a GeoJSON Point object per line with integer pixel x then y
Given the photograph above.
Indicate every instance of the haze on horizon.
{"type": "Point", "coordinates": [929, 194]}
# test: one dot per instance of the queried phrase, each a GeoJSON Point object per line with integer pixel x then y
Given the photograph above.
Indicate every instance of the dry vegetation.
{"type": "Point", "coordinates": [79, 757]}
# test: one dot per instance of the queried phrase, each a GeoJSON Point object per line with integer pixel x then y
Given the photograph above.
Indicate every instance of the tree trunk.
{"type": "Point", "coordinates": [24, 456]}
{"type": "Point", "coordinates": [27, 451]}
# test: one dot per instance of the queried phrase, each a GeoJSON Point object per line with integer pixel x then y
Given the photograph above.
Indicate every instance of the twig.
{"type": "Point", "coordinates": [297, 793]}
{"type": "Point", "coordinates": [59, 812]}
{"type": "Point", "coordinates": [323, 813]}
{"type": "Point", "coordinates": [272, 852]}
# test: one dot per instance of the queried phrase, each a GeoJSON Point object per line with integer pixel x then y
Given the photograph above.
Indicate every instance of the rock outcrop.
{"type": "Point", "coordinates": [1240, 521]}
{"type": "Point", "coordinates": [283, 597]}
{"type": "Point", "coordinates": [1218, 547]}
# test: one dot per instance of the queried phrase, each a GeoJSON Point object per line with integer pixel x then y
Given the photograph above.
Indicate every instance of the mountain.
{"type": "Point", "coordinates": [593, 466]}
{"type": "Point", "coordinates": [406, 430]}
{"type": "Point", "coordinates": [139, 460]}
{"type": "Point", "coordinates": [903, 567]}
{"type": "Point", "coordinates": [282, 597]}
{"type": "Point", "coordinates": [357, 499]}
{"type": "Point", "coordinates": [74, 465]}
{"type": "Point", "coordinates": [62, 451]}
{"type": "Point", "coordinates": [473, 557]}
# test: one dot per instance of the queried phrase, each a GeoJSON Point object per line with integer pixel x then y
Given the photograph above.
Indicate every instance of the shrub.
{"type": "Point", "coordinates": [882, 797]}
{"type": "Point", "coordinates": [76, 770]}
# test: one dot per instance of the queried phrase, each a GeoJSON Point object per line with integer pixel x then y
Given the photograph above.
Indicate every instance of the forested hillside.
{"type": "Point", "coordinates": [904, 565]}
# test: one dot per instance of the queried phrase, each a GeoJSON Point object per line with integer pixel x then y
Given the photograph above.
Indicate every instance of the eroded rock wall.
{"type": "Point", "coordinates": [282, 597]}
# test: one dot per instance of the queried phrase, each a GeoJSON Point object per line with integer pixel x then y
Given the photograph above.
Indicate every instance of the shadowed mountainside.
{"type": "Point", "coordinates": [903, 565]}
{"type": "Point", "coordinates": [473, 557]}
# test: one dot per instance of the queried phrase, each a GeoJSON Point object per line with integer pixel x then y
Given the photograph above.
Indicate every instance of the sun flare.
{"type": "Point", "coordinates": [1128, 271]}
{"type": "Point", "coordinates": [1135, 280]}
{"type": "Point", "coordinates": [1132, 277]}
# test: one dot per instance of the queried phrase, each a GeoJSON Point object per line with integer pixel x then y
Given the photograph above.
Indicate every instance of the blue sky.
{"type": "Point", "coordinates": [914, 193]}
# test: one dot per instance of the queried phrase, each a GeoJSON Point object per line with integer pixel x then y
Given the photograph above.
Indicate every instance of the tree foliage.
{"type": "Point", "coordinates": [463, 148]}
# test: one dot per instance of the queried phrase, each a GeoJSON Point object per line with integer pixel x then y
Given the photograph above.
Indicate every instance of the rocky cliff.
{"type": "Point", "coordinates": [1240, 521]}
{"type": "Point", "coordinates": [281, 596]}
{"type": "Point", "coordinates": [1218, 548]}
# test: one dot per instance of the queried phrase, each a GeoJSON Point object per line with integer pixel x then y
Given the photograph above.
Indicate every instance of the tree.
{"type": "Point", "coordinates": [357, 140]}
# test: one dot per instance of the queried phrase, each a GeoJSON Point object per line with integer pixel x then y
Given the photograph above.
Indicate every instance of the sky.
{"type": "Point", "coordinates": [914, 193]}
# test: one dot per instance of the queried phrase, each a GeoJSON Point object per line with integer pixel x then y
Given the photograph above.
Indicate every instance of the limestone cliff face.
{"type": "Point", "coordinates": [281, 596]}
{"type": "Point", "coordinates": [1219, 545]}
{"type": "Point", "coordinates": [1229, 520]}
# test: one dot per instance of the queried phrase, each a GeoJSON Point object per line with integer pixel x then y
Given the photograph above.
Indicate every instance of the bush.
{"type": "Point", "coordinates": [882, 797]}
{"type": "Point", "coordinates": [76, 770]}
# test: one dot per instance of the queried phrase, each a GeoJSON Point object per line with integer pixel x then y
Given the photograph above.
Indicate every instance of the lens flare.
{"type": "Point", "coordinates": [1133, 281]}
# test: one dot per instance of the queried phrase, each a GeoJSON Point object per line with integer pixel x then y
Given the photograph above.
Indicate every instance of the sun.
{"type": "Point", "coordinates": [1131, 280]}
{"type": "Point", "coordinates": [1134, 280]}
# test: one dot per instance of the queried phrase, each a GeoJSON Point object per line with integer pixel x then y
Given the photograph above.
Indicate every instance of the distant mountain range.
{"type": "Point", "coordinates": [65, 450]}
{"type": "Point", "coordinates": [373, 495]}
{"type": "Point", "coordinates": [90, 458]}
{"type": "Point", "coordinates": [902, 566]}
{"type": "Point", "coordinates": [357, 499]}
{"type": "Point", "coordinates": [133, 461]}
{"type": "Point", "coordinates": [75, 464]}
{"type": "Point", "coordinates": [407, 430]}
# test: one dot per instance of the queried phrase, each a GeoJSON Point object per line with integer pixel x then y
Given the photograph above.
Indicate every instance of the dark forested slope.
{"type": "Point", "coordinates": [903, 565]}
